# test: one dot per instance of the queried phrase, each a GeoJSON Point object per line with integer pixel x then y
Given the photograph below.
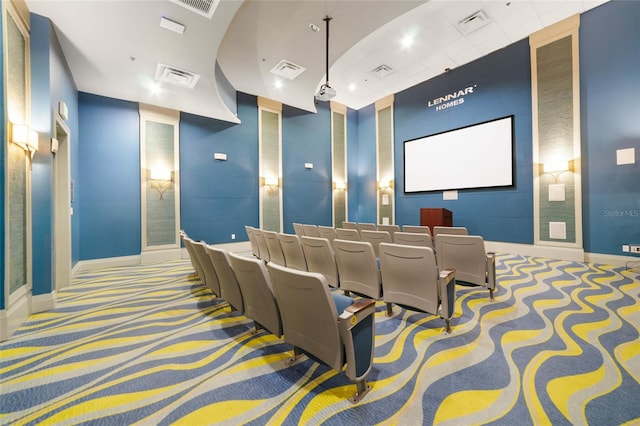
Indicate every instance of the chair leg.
{"type": "Point", "coordinates": [362, 388]}
{"type": "Point", "coordinates": [491, 295]}
{"type": "Point", "coordinates": [447, 326]}
{"type": "Point", "coordinates": [347, 293]}
{"type": "Point", "coordinates": [297, 353]}
{"type": "Point", "coordinates": [389, 309]}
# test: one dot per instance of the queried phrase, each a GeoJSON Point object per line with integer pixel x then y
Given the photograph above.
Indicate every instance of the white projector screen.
{"type": "Point", "coordinates": [477, 156]}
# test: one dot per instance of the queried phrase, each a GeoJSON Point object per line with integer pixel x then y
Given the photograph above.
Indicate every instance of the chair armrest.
{"type": "Point", "coordinates": [491, 271]}
{"type": "Point", "coordinates": [360, 305]}
{"type": "Point", "coordinates": [447, 291]}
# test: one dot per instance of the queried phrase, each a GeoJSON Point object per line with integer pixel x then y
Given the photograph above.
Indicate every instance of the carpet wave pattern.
{"type": "Point", "coordinates": [151, 345]}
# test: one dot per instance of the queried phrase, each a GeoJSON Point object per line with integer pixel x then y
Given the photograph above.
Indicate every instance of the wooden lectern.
{"type": "Point", "coordinates": [435, 217]}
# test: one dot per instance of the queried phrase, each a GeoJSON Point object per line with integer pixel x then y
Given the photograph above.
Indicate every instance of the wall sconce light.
{"type": "Point", "coordinates": [385, 185]}
{"type": "Point", "coordinates": [341, 186]}
{"type": "Point", "coordinates": [556, 168]}
{"type": "Point", "coordinates": [160, 180]}
{"type": "Point", "coordinates": [25, 137]}
{"type": "Point", "coordinates": [271, 183]}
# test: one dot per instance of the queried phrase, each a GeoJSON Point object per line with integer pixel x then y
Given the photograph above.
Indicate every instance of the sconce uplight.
{"type": "Point", "coordinates": [25, 137]}
{"type": "Point", "coordinates": [161, 179]}
{"type": "Point", "coordinates": [385, 185]}
{"type": "Point", "coordinates": [270, 183]}
{"type": "Point", "coordinates": [557, 168]}
{"type": "Point", "coordinates": [341, 186]}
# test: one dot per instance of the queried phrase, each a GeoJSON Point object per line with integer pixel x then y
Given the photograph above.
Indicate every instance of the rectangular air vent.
{"type": "Point", "coordinates": [287, 69]}
{"type": "Point", "coordinates": [382, 71]}
{"type": "Point", "coordinates": [177, 76]}
{"type": "Point", "coordinates": [473, 22]}
{"type": "Point", "coordinates": [201, 7]}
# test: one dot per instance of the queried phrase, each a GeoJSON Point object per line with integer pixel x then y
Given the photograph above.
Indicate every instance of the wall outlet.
{"type": "Point", "coordinates": [635, 248]}
{"type": "Point", "coordinates": [625, 248]}
{"type": "Point", "coordinates": [233, 236]}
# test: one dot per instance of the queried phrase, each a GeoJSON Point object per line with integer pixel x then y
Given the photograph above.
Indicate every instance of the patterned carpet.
{"type": "Point", "coordinates": [150, 345]}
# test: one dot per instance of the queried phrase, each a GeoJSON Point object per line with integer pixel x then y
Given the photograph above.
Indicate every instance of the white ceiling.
{"type": "Point", "coordinates": [113, 47]}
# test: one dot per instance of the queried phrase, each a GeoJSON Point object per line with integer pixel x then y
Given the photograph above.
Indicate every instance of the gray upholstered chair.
{"type": "Point", "coordinates": [413, 239]}
{"type": "Point", "coordinates": [257, 293]}
{"type": "Point", "coordinates": [365, 226]}
{"type": "Point", "coordinates": [416, 229]}
{"type": "Point", "coordinates": [320, 258]}
{"type": "Point", "coordinates": [412, 280]}
{"type": "Point", "coordinates": [328, 327]}
{"type": "Point", "coordinates": [328, 232]}
{"type": "Point", "coordinates": [349, 225]}
{"type": "Point", "coordinates": [375, 238]}
{"type": "Point", "coordinates": [298, 229]}
{"type": "Point", "coordinates": [292, 250]}
{"type": "Point", "coordinates": [210, 277]}
{"type": "Point", "coordinates": [229, 288]}
{"type": "Point", "coordinates": [391, 229]}
{"type": "Point", "coordinates": [193, 257]}
{"type": "Point", "coordinates": [451, 230]}
{"type": "Point", "coordinates": [466, 254]}
{"type": "Point", "coordinates": [273, 245]}
{"type": "Point", "coordinates": [350, 234]}
{"type": "Point", "coordinates": [262, 245]}
{"type": "Point", "coordinates": [358, 268]}
{"type": "Point", "coordinates": [255, 249]}
{"type": "Point", "coordinates": [310, 230]}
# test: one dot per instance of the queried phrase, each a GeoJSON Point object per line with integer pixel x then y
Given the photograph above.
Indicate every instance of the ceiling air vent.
{"type": "Point", "coordinates": [201, 7]}
{"type": "Point", "coordinates": [382, 71]}
{"type": "Point", "coordinates": [473, 22]}
{"type": "Point", "coordinates": [287, 69]}
{"type": "Point", "coordinates": [177, 76]}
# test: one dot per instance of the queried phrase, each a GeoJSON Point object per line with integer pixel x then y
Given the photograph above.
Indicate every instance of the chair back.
{"type": "Point", "coordinates": [413, 239]}
{"type": "Point", "coordinates": [292, 251]}
{"type": "Point", "coordinates": [358, 268]}
{"type": "Point", "coordinates": [328, 232]}
{"type": "Point", "coordinates": [451, 230]}
{"type": "Point", "coordinates": [416, 229]}
{"type": "Point", "coordinates": [193, 257]}
{"type": "Point", "coordinates": [309, 315]}
{"type": "Point", "coordinates": [229, 288]}
{"type": "Point", "coordinates": [349, 234]}
{"type": "Point", "coordinates": [349, 225]}
{"type": "Point", "coordinates": [410, 276]}
{"type": "Point", "coordinates": [391, 229]}
{"type": "Point", "coordinates": [310, 231]}
{"type": "Point", "coordinates": [210, 277]}
{"type": "Point", "coordinates": [257, 293]}
{"type": "Point", "coordinates": [262, 245]}
{"type": "Point", "coordinates": [273, 245]}
{"type": "Point", "coordinates": [366, 227]}
{"type": "Point", "coordinates": [465, 254]}
{"type": "Point", "coordinates": [298, 229]}
{"type": "Point", "coordinates": [255, 250]}
{"type": "Point", "coordinates": [375, 238]}
{"type": "Point", "coordinates": [320, 258]}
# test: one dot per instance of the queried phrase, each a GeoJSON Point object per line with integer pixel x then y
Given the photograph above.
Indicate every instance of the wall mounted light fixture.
{"type": "Point", "coordinates": [385, 185]}
{"type": "Point", "coordinates": [25, 137]}
{"type": "Point", "coordinates": [341, 186]}
{"type": "Point", "coordinates": [556, 168]}
{"type": "Point", "coordinates": [160, 179]}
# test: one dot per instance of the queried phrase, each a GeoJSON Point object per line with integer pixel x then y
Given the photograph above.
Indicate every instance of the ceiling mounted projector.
{"type": "Point", "coordinates": [326, 92]}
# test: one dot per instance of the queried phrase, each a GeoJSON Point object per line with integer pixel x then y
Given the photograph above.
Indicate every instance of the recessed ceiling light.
{"type": "Point", "coordinates": [407, 41]}
{"type": "Point", "coordinates": [170, 25]}
{"type": "Point", "coordinates": [278, 84]}
{"type": "Point", "coordinates": [352, 87]}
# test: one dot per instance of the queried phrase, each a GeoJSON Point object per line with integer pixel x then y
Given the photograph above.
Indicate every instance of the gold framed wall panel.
{"type": "Point", "coordinates": [385, 161]}
{"type": "Point", "coordinates": [270, 163]}
{"type": "Point", "coordinates": [340, 195]}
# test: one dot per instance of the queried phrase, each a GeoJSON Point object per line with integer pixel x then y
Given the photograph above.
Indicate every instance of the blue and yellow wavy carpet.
{"type": "Point", "coordinates": [150, 345]}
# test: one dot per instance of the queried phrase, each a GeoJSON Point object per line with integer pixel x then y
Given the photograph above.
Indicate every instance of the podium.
{"type": "Point", "coordinates": [435, 217]}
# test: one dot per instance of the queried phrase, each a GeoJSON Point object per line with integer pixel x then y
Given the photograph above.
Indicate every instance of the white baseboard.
{"type": "Point", "coordinates": [612, 259]}
{"type": "Point", "coordinates": [158, 256]}
{"type": "Point", "coordinates": [552, 252]}
{"type": "Point", "coordinates": [43, 302]}
{"type": "Point", "coordinates": [13, 318]}
{"type": "Point", "coordinates": [108, 262]}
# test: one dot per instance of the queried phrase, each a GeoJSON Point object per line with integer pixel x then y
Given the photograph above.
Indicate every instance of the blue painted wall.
{"type": "Point", "coordinates": [108, 185]}
{"type": "Point", "coordinates": [502, 86]}
{"type": "Point", "coordinates": [306, 138]}
{"type": "Point", "coordinates": [218, 198]}
{"type": "Point", "coordinates": [610, 117]}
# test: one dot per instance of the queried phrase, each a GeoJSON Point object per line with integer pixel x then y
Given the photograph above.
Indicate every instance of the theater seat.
{"type": "Point", "coordinates": [210, 277]}
{"type": "Point", "coordinates": [375, 238]}
{"type": "Point", "coordinates": [273, 245]}
{"type": "Point", "coordinates": [466, 254]}
{"type": "Point", "coordinates": [450, 230]}
{"type": "Point", "coordinates": [350, 234]}
{"type": "Point", "coordinates": [229, 288]}
{"type": "Point", "coordinates": [358, 268]}
{"type": "Point", "coordinates": [412, 280]}
{"type": "Point", "coordinates": [257, 293]}
{"type": "Point", "coordinates": [320, 258]}
{"type": "Point", "coordinates": [292, 250]}
{"type": "Point", "coordinates": [329, 328]}
{"type": "Point", "coordinates": [413, 239]}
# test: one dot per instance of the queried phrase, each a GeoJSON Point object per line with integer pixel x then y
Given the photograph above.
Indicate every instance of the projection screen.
{"type": "Point", "coordinates": [476, 156]}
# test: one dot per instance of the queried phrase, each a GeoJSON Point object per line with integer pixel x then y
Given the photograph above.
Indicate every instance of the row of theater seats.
{"type": "Point", "coordinates": [293, 304]}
